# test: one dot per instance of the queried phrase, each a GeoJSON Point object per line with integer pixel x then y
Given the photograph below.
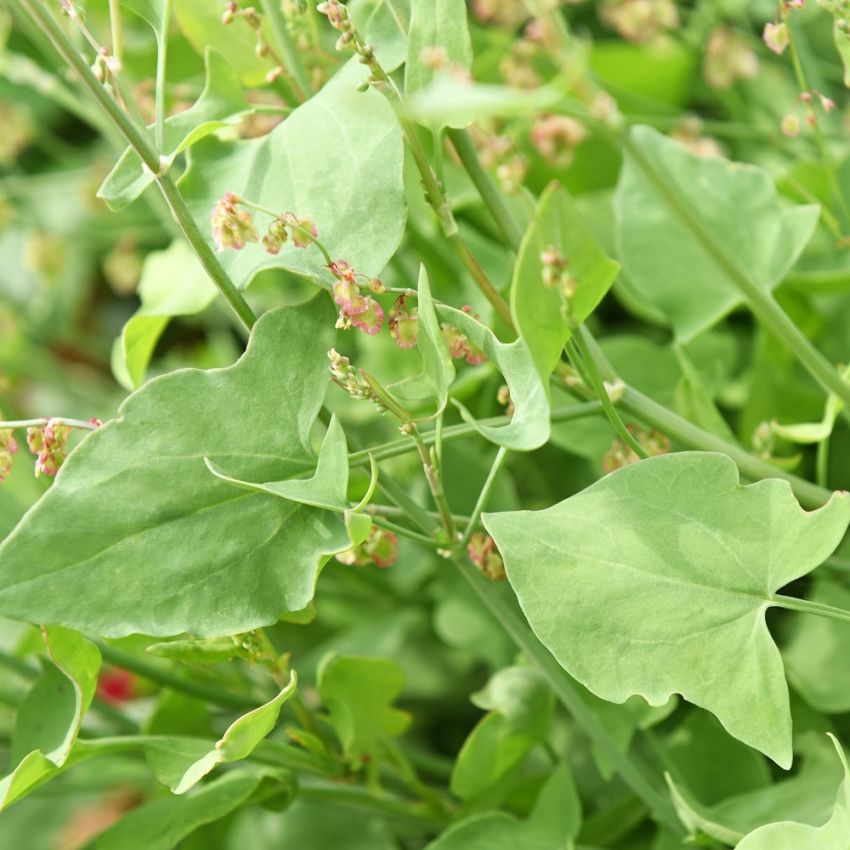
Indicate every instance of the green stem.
{"type": "Point", "coordinates": [402, 531]}
{"type": "Point", "coordinates": [140, 144]}
{"type": "Point", "coordinates": [40, 423]}
{"type": "Point", "coordinates": [153, 673]}
{"type": "Point", "coordinates": [161, 66]}
{"type": "Point", "coordinates": [459, 432]}
{"type": "Point", "coordinates": [568, 692]}
{"type": "Point", "coordinates": [286, 48]}
{"type": "Point", "coordinates": [116, 31]}
{"type": "Point", "coordinates": [435, 481]}
{"type": "Point", "coordinates": [761, 302]}
{"type": "Point", "coordinates": [682, 431]}
{"type": "Point", "coordinates": [408, 506]}
{"type": "Point", "coordinates": [483, 497]}
{"type": "Point", "coordinates": [486, 186]}
{"type": "Point", "coordinates": [584, 360]}
{"type": "Point", "coordinates": [806, 606]}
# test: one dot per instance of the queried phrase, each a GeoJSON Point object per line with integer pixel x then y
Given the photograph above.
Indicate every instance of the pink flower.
{"type": "Point", "coordinates": [776, 37]}
{"type": "Point", "coordinates": [231, 227]}
{"type": "Point", "coordinates": [371, 320]}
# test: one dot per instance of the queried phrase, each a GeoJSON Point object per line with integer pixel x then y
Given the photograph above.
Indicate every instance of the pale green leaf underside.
{"type": "Point", "coordinates": [337, 159]}
{"type": "Point", "coordinates": [737, 203]}
{"type": "Point", "coordinates": [537, 308]}
{"type": "Point", "coordinates": [326, 488]}
{"type": "Point", "coordinates": [436, 23]}
{"type": "Point", "coordinates": [145, 539]}
{"type": "Point", "coordinates": [220, 103]}
{"type": "Point", "coordinates": [240, 739]}
{"type": "Point", "coordinates": [529, 427]}
{"type": "Point", "coordinates": [655, 581]}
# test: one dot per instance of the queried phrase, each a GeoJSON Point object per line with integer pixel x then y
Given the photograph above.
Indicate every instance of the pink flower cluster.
{"type": "Point", "coordinates": [459, 345]}
{"type": "Point", "coordinates": [361, 311]}
{"type": "Point", "coordinates": [49, 443]}
{"type": "Point", "coordinates": [8, 447]}
{"type": "Point", "coordinates": [380, 548]}
{"type": "Point", "coordinates": [231, 227]}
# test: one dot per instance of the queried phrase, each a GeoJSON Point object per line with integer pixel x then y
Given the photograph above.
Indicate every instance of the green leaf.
{"type": "Point", "coordinates": [386, 30]}
{"type": "Point", "coordinates": [201, 23]}
{"type": "Point", "coordinates": [692, 561]}
{"type": "Point", "coordinates": [162, 823]}
{"type": "Point", "coordinates": [175, 549]}
{"type": "Point", "coordinates": [359, 694]}
{"type": "Point", "coordinates": [438, 371]}
{"type": "Point", "coordinates": [441, 24]}
{"type": "Point", "coordinates": [537, 309]}
{"type": "Point", "coordinates": [520, 706]}
{"type": "Point", "coordinates": [173, 283]}
{"type": "Point", "coordinates": [337, 159]}
{"type": "Point", "coordinates": [737, 204]}
{"type": "Point", "coordinates": [816, 653]}
{"type": "Point", "coordinates": [221, 103]}
{"type": "Point", "coordinates": [327, 488]}
{"type": "Point", "coordinates": [150, 11]}
{"type": "Point", "coordinates": [553, 824]}
{"type": "Point", "coordinates": [529, 428]}
{"type": "Point", "coordinates": [50, 716]}
{"type": "Point", "coordinates": [240, 739]}
{"type": "Point", "coordinates": [795, 836]}
{"type": "Point", "coordinates": [447, 103]}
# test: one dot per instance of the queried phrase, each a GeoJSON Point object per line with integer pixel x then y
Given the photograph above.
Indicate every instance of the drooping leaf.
{"type": "Point", "coordinates": [240, 739]}
{"type": "Point", "coordinates": [50, 716]}
{"type": "Point", "coordinates": [359, 694]}
{"type": "Point", "coordinates": [151, 563]}
{"type": "Point", "coordinates": [795, 836]}
{"type": "Point", "coordinates": [173, 283]}
{"type": "Point", "coordinates": [337, 160]}
{"type": "Point", "coordinates": [438, 371]}
{"type": "Point", "coordinates": [326, 488]}
{"type": "Point", "coordinates": [553, 824]}
{"type": "Point", "coordinates": [162, 823]}
{"type": "Point", "coordinates": [220, 103]}
{"type": "Point", "coordinates": [537, 309]}
{"type": "Point", "coordinates": [692, 560]}
{"type": "Point", "coordinates": [520, 706]}
{"type": "Point", "coordinates": [440, 24]}
{"type": "Point", "coordinates": [529, 428]}
{"type": "Point", "coordinates": [737, 204]}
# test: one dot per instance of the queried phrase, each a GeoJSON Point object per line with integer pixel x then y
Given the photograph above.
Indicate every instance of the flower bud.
{"type": "Point", "coordinates": [276, 236]}
{"type": "Point", "coordinates": [303, 230]}
{"type": "Point", "coordinates": [790, 126]}
{"type": "Point", "coordinates": [231, 226]}
{"type": "Point", "coordinates": [49, 443]}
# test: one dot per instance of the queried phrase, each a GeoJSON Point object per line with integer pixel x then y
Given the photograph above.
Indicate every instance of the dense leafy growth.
{"type": "Point", "coordinates": [439, 417]}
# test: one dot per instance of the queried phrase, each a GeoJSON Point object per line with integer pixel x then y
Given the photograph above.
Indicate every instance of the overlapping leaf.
{"type": "Point", "coordinates": [655, 580]}
{"type": "Point", "coordinates": [145, 539]}
{"type": "Point", "coordinates": [440, 24]}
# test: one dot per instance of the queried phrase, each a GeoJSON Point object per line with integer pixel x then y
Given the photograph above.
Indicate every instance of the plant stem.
{"type": "Point", "coordinates": [40, 423]}
{"type": "Point", "coordinates": [140, 144]}
{"type": "Point", "coordinates": [286, 48]}
{"type": "Point", "coordinates": [567, 690]}
{"type": "Point", "coordinates": [458, 432]}
{"type": "Point", "coordinates": [682, 431]}
{"type": "Point", "coordinates": [161, 66]}
{"type": "Point", "coordinates": [392, 511]}
{"type": "Point", "coordinates": [761, 302]}
{"type": "Point", "coordinates": [116, 31]}
{"type": "Point", "coordinates": [199, 690]}
{"type": "Point", "coordinates": [402, 531]}
{"type": "Point", "coordinates": [435, 481]}
{"type": "Point", "coordinates": [486, 186]}
{"type": "Point", "coordinates": [806, 606]}
{"type": "Point", "coordinates": [483, 497]}
{"type": "Point", "coordinates": [584, 361]}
